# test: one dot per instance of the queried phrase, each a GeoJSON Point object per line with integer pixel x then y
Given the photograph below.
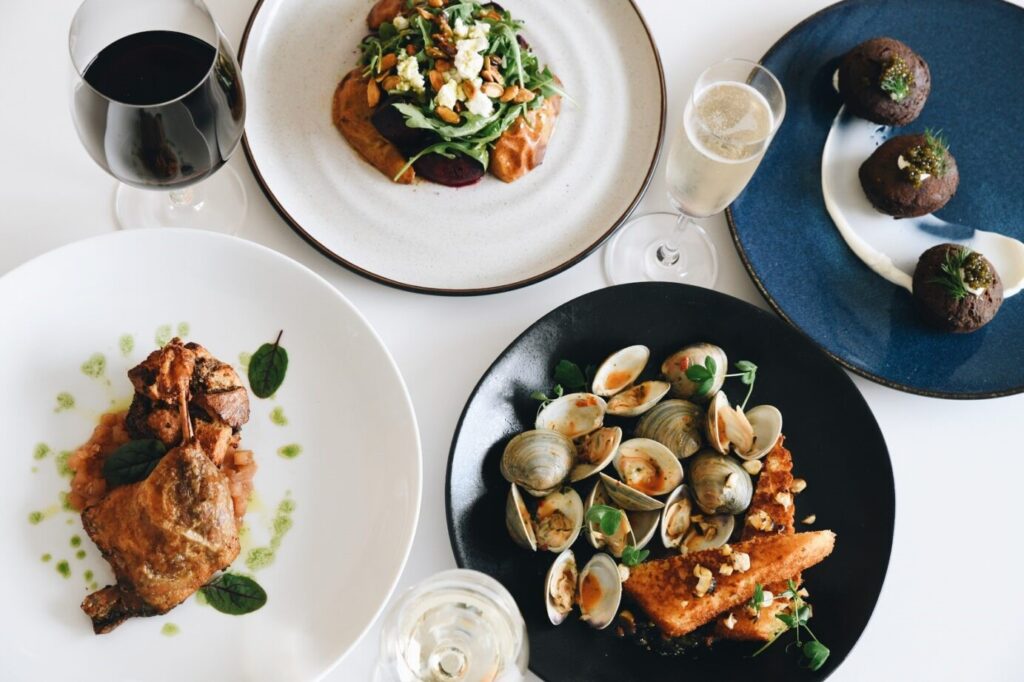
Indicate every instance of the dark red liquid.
{"type": "Point", "coordinates": [164, 108]}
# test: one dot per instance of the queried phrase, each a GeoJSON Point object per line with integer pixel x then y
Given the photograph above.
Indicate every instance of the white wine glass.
{"type": "Point", "coordinates": [730, 119]}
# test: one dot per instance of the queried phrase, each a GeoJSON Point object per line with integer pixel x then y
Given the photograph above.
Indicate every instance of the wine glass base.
{"type": "Point", "coordinates": [218, 204]}
{"type": "Point", "coordinates": [632, 253]}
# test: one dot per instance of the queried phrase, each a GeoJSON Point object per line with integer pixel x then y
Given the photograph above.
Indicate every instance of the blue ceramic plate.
{"type": "Point", "coordinates": [794, 252]}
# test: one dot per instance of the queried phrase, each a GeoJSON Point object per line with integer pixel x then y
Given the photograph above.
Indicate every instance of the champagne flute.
{"type": "Point", "coordinates": [730, 119]}
{"type": "Point", "coordinates": [456, 626]}
{"type": "Point", "coordinates": [158, 103]}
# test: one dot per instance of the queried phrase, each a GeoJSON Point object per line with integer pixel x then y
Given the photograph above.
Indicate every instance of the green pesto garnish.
{"type": "Point", "coordinates": [896, 79]}
{"type": "Point", "coordinates": [928, 159]}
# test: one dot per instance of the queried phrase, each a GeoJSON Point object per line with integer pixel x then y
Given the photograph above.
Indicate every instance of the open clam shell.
{"type": "Point", "coordinates": [645, 525]}
{"type": "Point", "coordinates": [573, 415]}
{"type": "Point", "coordinates": [627, 498]}
{"type": "Point", "coordinates": [675, 517]}
{"type": "Point", "coordinates": [538, 461]}
{"type": "Point", "coordinates": [728, 427]}
{"type": "Point", "coordinates": [676, 424]}
{"type": "Point", "coordinates": [766, 421]}
{"type": "Point", "coordinates": [648, 466]}
{"type": "Point", "coordinates": [708, 532]}
{"type": "Point", "coordinates": [719, 484]}
{"type": "Point", "coordinates": [558, 520]}
{"type": "Point", "coordinates": [518, 521]}
{"type": "Point", "coordinates": [595, 451]}
{"type": "Point", "coordinates": [600, 591]}
{"type": "Point", "coordinates": [638, 399]}
{"type": "Point", "coordinates": [623, 536]}
{"type": "Point", "coordinates": [560, 587]}
{"type": "Point", "coordinates": [620, 369]}
{"type": "Point", "coordinates": [675, 366]}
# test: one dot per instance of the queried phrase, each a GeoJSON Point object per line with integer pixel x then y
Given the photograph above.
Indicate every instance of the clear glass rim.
{"type": "Point", "coordinates": [80, 72]}
{"type": "Point", "coordinates": [754, 66]}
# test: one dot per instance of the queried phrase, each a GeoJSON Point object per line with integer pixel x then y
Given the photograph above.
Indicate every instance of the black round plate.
{"type": "Point", "coordinates": [836, 444]}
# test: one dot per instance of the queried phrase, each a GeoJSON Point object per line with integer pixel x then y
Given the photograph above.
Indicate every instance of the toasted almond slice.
{"type": "Point", "coordinates": [443, 65]}
{"type": "Point", "coordinates": [468, 89]}
{"type": "Point", "coordinates": [391, 82]}
{"type": "Point", "coordinates": [425, 14]}
{"type": "Point", "coordinates": [492, 90]}
{"type": "Point", "coordinates": [447, 115]}
{"type": "Point", "coordinates": [436, 3]}
{"type": "Point", "coordinates": [436, 80]}
{"type": "Point", "coordinates": [436, 53]}
{"type": "Point", "coordinates": [372, 94]}
{"type": "Point", "coordinates": [509, 94]}
{"type": "Point", "coordinates": [387, 62]}
{"type": "Point", "coordinates": [524, 95]}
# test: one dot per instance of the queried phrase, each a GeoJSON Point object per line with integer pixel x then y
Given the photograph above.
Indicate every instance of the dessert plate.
{"type": "Point", "coordinates": [815, 395]}
{"type": "Point", "coordinates": [338, 439]}
{"type": "Point", "coordinates": [795, 254]}
{"type": "Point", "coordinates": [481, 239]}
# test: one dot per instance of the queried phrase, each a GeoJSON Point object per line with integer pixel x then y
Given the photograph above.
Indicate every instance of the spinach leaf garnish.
{"type": "Point", "coordinates": [268, 367]}
{"type": "Point", "coordinates": [234, 594]}
{"type": "Point", "coordinates": [133, 461]}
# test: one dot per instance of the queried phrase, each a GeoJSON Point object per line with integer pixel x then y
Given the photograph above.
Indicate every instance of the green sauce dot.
{"type": "Point", "coordinates": [80, 554]}
{"type": "Point", "coordinates": [127, 344]}
{"type": "Point", "coordinates": [62, 464]}
{"type": "Point", "coordinates": [277, 416]}
{"type": "Point", "coordinates": [64, 568]}
{"type": "Point", "coordinates": [282, 524]}
{"type": "Point", "coordinates": [95, 366]}
{"type": "Point", "coordinates": [65, 502]}
{"type": "Point", "coordinates": [169, 630]}
{"type": "Point", "coordinates": [286, 506]}
{"type": "Point", "coordinates": [35, 470]}
{"type": "Point", "coordinates": [76, 540]}
{"type": "Point", "coordinates": [65, 401]}
{"type": "Point", "coordinates": [243, 360]}
{"type": "Point", "coordinates": [93, 586]}
{"type": "Point", "coordinates": [41, 451]}
{"type": "Point", "coordinates": [88, 576]}
{"type": "Point", "coordinates": [163, 335]}
{"type": "Point", "coordinates": [35, 517]}
{"type": "Point", "coordinates": [290, 451]}
{"type": "Point", "coordinates": [201, 598]}
{"type": "Point", "coordinates": [46, 557]}
{"type": "Point", "coordinates": [258, 558]}
{"type": "Point", "coordinates": [184, 329]}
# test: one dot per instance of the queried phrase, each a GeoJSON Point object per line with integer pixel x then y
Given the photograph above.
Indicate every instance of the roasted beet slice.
{"type": "Point", "coordinates": [457, 172]}
{"type": "Point", "coordinates": [390, 123]}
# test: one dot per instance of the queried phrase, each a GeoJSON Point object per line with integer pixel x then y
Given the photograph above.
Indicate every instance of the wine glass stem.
{"type": "Point", "coordinates": [190, 197]}
{"type": "Point", "coordinates": [668, 253]}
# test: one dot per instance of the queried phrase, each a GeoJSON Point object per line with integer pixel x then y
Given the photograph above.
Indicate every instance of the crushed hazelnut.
{"type": "Point", "coordinates": [810, 519]}
{"type": "Point", "coordinates": [760, 520]}
{"type": "Point", "coordinates": [753, 466]}
{"type": "Point", "coordinates": [730, 622]}
{"type": "Point", "coordinates": [705, 580]}
{"type": "Point", "coordinates": [783, 498]}
{"type": "Point", "coordinates": [725, 569]}
{"type": "Point", "coordinates": [798, 486]}
{"type": "Point", "coordinates": [726, 549]}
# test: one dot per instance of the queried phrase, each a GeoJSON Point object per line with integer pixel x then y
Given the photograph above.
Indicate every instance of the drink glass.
{"type": "Point", "coordinates": [158, 103]}
{"type": "Point", "coordinates": [730, 118]}
{"type": "Point", "coordinates": [456, 626]}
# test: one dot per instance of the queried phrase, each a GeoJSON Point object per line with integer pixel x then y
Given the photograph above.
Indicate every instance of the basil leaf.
{"type": "Point", "coordinates": [234, 594]}
{"type": "Point", "coordinates": [133, 461]}
{"type": "Point", "coordinates": [816, 654]}
{"type": "Point", "coordinates": [267, 368]}
{"type": "Point", "coordinates": [569, 375]}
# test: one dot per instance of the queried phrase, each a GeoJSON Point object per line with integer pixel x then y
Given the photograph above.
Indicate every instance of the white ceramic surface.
{"type": "Point", "coordinates": [356, 484]}
{"type": "Point", "coordinates": [491, 235]}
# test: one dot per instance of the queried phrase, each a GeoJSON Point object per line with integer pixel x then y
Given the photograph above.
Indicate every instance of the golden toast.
{"type": "Point", "coordinates": [668, 589]}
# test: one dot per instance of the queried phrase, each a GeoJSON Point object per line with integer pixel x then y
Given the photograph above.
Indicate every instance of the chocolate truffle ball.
{"type": "Point", "coordinates": [910, 175]}
{"type": "Point", "coordinates": [884, 81]}
{"type": "Point", "coordinates": [956, 289]}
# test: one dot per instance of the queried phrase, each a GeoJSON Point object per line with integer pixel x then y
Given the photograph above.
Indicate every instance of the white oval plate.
{"type": "Point", "coordinates": [480, 239]}
{"type": "Point", "coordinates": [356, 484]}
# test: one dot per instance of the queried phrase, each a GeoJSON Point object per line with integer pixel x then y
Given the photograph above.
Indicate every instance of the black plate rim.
{"type": "Point", "coordinates": [748, 266]}
{"type": "Point", "coordinates": [890, 480]}
{"type": "Point", "coordinates": [480, 291]}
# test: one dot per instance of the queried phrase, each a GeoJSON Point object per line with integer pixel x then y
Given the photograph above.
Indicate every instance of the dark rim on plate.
{"type": "Point", "coordinates": [312, 241]}
{"type": "Point", "coordinates": [460, 558]}
{"type": "Point", "coordinates": [862, 371]}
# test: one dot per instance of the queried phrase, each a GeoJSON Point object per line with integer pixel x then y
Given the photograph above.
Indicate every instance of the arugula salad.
{"type": "Point", "coordinates": [458, 71]}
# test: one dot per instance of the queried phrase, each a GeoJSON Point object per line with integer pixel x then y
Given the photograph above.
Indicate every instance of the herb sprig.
{"type": "Point", "coordinates": [569, 378]}
{"type": "Point", "coordinates": [606, 517]}
{"type": "Point", "coordinates": [748, 375]}
{"type": "Point", "coordinates": [951, 273]}
{"type": "Point", "coordinates": [631, 556]}
{"type": "Point", "coordinates": [795, 617]}
{"type": "Point", "coordinates": [897, 79]}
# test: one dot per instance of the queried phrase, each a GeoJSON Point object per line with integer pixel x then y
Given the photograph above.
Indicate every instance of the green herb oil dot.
{"type": "Point", "coordinates": [184, 329]}
{"type": "Point", "coordinates": [35, 517]}
{"type": "Point", "coordinates": [259, 557]}
{"type": "Point", "coordinates": [243, 360]}
{"type": "Point", "coordinates": [64, 568]}
{"type": "Point", "coordinates": [277, 416]}
{"type": "Point", "coordinates": [65, 502]}
{"type": "Point", "coordinates": [62, 464]}
{"type": "Point", "coordinates": [88, 576]}
{"type": "Point", "coordinates": [41, 451]}
{"type": "Point", "coordinates": [126, 344]}
{"type": "Point", "coordinates": [65, 401]}
{"type": "Point", "coordinates": [290, 451]}
{"type": "Point", "coordinates": [76, 540]}
{"type": "Point", "coordinates": [93, 586]}
{"type": "Point", "coordinates": [46, 557]}
{"type": "Point", "coordinates": [163, 335]}
{"type": "Point", "coordinates": [95, 366]}
{"type": "Point", "coordinates": [169, 630]}
{"type": "Point", "coordinates": [80, 554]}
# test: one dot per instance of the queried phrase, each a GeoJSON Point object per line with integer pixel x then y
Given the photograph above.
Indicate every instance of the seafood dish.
{"type": "Point", "coordinates": [163, 487]}
{"type": "Point", "coordinates": [447, 91]}
{"type": "Point", "coordinates": [687, 502]}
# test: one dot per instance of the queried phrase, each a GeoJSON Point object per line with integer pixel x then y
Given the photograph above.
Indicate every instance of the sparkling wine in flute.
{"type": "Point", "coordinates": [728, 127]}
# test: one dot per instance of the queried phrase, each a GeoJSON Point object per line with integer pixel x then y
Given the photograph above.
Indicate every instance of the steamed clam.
{"type": "Point", "coordinates": [766, 422]}
{"type": "Point", "coordinates": [560, 587]}
{"type": "Point", "coordinates": [558, 520]}
{"type": "Point", "coordinates": [620, 370]}
{"type": "Point", "coordinates": [518, 520]}
{"type": "Point", "coordinates": [648, 466]}
{"type": "Point", "coordinates": [644, 525]}
{"type": "Point", "coordinates": [638, 399]}
{"type": "Point", "coordinates": [719, 484]}
{"type": "Point", "coordinates": [675, 366]}
{"type": "Point", "coordinates": [595, 451]}
{"type": "Point", "coordinates": [708, 532]}
{"type": "Point", "coordinates": [676, 424]}
{"type": "Point", "coordinates": [573, 415]}
{"type": "Point", "coordinates": [623, 535]}
{"type": "Point", "coordinates": [600, 591]}
{"type": "Point", "coordinates": [728, 427]}
{"type": "Point", "coordinates": [628, 498]}
{"type": "Point", "coordinates": [675, 517]}
{"type": "Point", "coordinates": [538, 461]}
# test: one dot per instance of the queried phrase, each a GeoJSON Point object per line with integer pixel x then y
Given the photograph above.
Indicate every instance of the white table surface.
{"type": "Point", "coordinates": [950, 608]}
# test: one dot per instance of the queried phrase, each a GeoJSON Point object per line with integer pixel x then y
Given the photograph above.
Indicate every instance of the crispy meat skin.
{"type": "Point", "coordinates": [351, 115]}
{"type": "Point", "coordinates": [522, 147]}
{"type": "Point", "coordinates": [165, 537]}
{"type": "Point", "coordinates": [664, 588]}
{"type": "Point", "coordinates": [165, 373]}
{"type": "Point", "coordinates": [776, 477]}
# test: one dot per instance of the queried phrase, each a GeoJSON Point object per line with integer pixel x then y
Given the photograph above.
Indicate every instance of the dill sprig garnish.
{"type": "Point", "coordinates": [951, 273]}
{"type": "Point", "coordinates": [897, 79]}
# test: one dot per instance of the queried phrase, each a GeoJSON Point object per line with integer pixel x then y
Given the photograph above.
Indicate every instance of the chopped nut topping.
{"type": "Point", "coordinates": [799, 485]}
{"type": "Point", "coordinates": [726, 549]}
{"type": "Point", "coordinates": [705, 580]}
{"type": "Point", "coordinates": [725, 569]}
{"type": "Point", "coordinates": [760, 520]}
{"type": "Point", "coordinates": [741, 562]}
{"type": "Point", "coordinates": [623, 573]}
{"type": "Point", "coordinates": [784, 498]}
{"type": "Point", "coordinates": [753, 466]}
{"type": "Point", "coordinates": [730, 622]}
{"type": "Point", "coordinates": [803, 592]}
{"type": "Point", "coordinates": [810, 519]}
{"type": "Point", "coordinates": [767, 598]}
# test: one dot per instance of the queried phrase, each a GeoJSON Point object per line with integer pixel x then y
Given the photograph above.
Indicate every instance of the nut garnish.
{"type": "Point", "coordinates": [447, 115]}
{"type": "Point", "coordinates": [725, 569]}
{"type": "Point", "coordinates": [524, 95]}
{"type": "Point", "coordinates": [387, 62]}
{"type": "Point", "coordinates": [372, 94]}
{"type": "Point", "coordinates": [760, 520]}
{"type": "Point", "coordinates": [391, 83]}
{"type": "Point", "coordinates": [810, 519]}
{"type": "Point", "coordinates": [784, 498]}
{"type": "Point", "coordinates": [753, 466]}
{"type": "Point", "coordinates": [705, 580]}
{"type": "Point", "coordinates": [799, 485]}
{"type": "Point", "coordinates": [492, 90]}
{"type": "Point", "coordinates": [436, 79]}
{"type": "Point", "coordinates": [741, 562]}
{"type": "Point", "coordinates": [730, 622]}
{"type": "Point", "coordinates": [509, 94]}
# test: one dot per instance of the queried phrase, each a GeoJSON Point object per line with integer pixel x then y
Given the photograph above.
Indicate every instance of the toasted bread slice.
{"type": "Point", "coordinates": [666, 589]}
{"type": "Point", "coordinates": [774, 487]}
{"type": "Point", "coordinates": [351, 114]}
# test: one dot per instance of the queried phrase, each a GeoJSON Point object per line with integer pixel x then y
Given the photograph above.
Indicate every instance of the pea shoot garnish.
{"type": "Point", "coordinates": [795, 617]}
{"type": "Point", "coordinates": [897, 79]}
{"type": "Point", "coordinates": [568, 378]}
{"type": "Point", "coordinates": [631, 556]}
{"type": "Point", "coordinates": [703, 375]}
{"type": "Point", "coordinates": [607, 518]}
{"type": "Point", "coordinates": [748, 375]}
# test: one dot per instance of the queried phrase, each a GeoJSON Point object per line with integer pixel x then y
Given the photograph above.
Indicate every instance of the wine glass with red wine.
{"type": "Point", "coordinates": [158, 103]}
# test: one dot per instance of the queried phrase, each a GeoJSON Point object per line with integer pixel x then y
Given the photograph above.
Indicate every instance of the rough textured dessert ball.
{"type": "Point", "coordinates": [884, 81]}
{"type": "Point", "coordinates": [955, 289]}
{"type": "Point", "coordinates": [910, 175]}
